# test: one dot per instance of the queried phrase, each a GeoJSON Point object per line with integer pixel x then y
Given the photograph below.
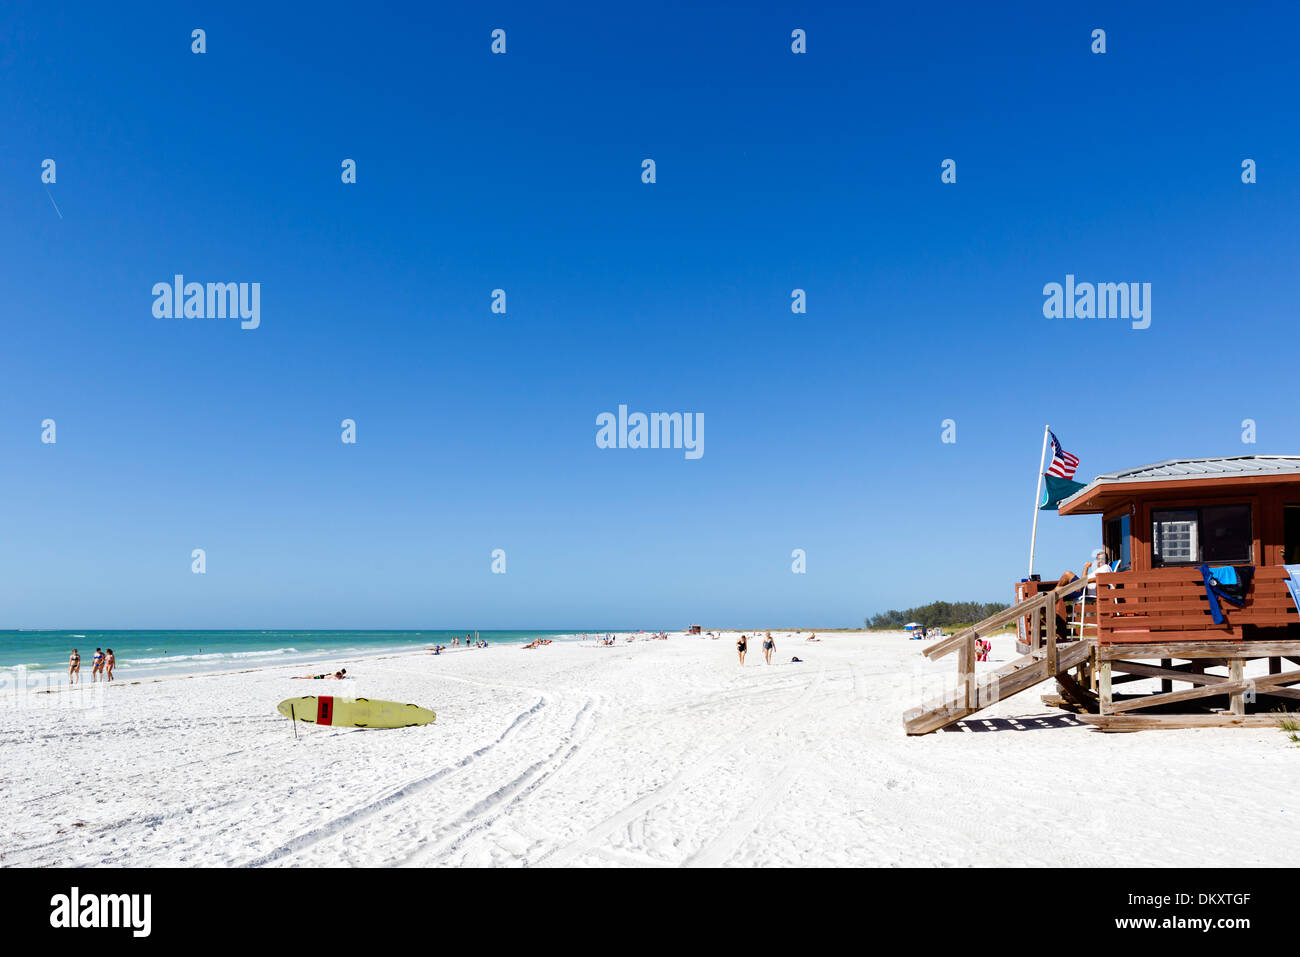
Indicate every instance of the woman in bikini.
{"type": "Point", "coordinates": [96, 664]}
{"type": "Point", "coordinates": [109, 662]}
{"type": "Point", "coordinates": [74, 667]}
{"type": "Point", "coordinates": [769, 646]}
{"type": "Point", "coordinates": [742, 646]}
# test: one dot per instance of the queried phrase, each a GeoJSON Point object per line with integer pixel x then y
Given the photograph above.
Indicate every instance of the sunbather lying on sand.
{"type": "Point", "coordinates": [338, 676]}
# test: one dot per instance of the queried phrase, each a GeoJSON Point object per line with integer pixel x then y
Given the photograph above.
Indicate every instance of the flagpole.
{"type": "Point", "coordinates": [1038, 495]}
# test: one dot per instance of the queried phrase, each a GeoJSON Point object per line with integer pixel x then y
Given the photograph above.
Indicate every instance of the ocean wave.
{"type": "Point", "coordinates": [263, 654]}
{"type": "Point", "coordinates": [214, 656]}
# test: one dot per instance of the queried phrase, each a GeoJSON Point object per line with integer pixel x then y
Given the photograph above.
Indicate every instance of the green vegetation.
{"type": "Point", "coordinates": [957, 626]}
{"type": "Point", "coordinates": [1290, 726]}
{"type": "Point", "coordinates": [943, 614]}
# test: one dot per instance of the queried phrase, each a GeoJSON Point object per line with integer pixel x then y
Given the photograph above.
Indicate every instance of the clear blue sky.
{"type": "Point", "coordinates": [475, 171]}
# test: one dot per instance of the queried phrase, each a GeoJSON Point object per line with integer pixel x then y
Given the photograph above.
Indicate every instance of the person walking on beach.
{"type": "Point", "coordinates": [109, 662]}
{"type": "Point", "coordinates": [74, 667]}
{"type": "Point", "coordinates": [742, 646]}
{"type": "Point", "coordinates": [769, 646]}
{"type": "Point", "coordinates": [96, 664]}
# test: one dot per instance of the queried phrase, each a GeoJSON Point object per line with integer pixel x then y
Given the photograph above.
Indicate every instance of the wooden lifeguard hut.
{"type": "Point", "coordinates": [1199, 548]}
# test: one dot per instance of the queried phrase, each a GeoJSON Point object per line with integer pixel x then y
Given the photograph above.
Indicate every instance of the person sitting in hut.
{"type": "Point", "coordinates": [1090, 570]}
{"type": "Point", "coordinates": [1098, 564]}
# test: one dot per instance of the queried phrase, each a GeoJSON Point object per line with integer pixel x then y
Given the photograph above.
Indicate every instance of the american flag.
{"type": "Point", "coordinates": [1063, 463]}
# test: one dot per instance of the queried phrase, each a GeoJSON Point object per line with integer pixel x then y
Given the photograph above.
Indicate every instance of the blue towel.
{"type": "Point", "coordinates": [1216, 612]}
{"type": "Point", "coordinates": [1216, 588]}
{"type": "Point", "coordinates": [1226, 574]}
{"type": "Point", "coordinates": [1293, 583]}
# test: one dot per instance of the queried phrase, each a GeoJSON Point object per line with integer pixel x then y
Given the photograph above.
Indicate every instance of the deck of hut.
{"type": "Point", "coordinates": [1162, 525]}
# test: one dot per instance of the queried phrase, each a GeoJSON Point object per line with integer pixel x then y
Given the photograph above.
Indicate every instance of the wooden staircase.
{"type": "Point", "coordinates": [976, 691]}
{"type": "Point", "coordinates": [992, 686]}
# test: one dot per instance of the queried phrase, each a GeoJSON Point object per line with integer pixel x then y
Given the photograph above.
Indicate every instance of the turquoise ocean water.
{"type": "Point", "coordinates": [141, 654]}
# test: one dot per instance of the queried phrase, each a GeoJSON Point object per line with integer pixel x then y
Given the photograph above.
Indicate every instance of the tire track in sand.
{"type": "Point", "coordinates": [720, 850]}
{"type": "Point", "coordinates": [723, 847]}
{"type": "Point", "coordinates": [491, 808]}
{"type": "Point", "coordinates": [590, 841]}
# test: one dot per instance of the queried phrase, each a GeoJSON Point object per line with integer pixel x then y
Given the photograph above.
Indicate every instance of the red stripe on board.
{"type": "Point", "coordinates": [325, 709]}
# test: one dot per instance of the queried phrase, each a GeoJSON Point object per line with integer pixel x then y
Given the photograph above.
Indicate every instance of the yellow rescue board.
{"type": "Point", "coordinates": [354, 712]}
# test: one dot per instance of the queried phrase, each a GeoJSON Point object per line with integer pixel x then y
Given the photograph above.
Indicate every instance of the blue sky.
{"type": "Point", "coordinates": [476, 431]}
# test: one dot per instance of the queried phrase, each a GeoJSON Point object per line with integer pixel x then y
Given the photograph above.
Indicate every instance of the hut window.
{"type": "Point", "coordinates": [1174, 536]}
{"type": "Point", "coordinates": [1217, 534]}
{"type": "Point", "coordinates": [1225, 533]}
{"type": "Point", "coordinates": [1115, 539]}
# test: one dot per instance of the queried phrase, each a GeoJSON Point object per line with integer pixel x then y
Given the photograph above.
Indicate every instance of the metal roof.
{"type": "Point", "coordinates": [1198, 468]}
{"type": "Point", "coordinates": [1174, 469]}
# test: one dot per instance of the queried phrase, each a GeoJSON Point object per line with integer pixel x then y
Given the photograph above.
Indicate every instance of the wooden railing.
{"type": "Point", "coordinates": [1031, 634]}
{"type": "Point", "coordinates": [1170, 604]}
{"type": "Point", "coordinates": [994, 622]}
{"type": "Point", "coordinates": [1037, 608]}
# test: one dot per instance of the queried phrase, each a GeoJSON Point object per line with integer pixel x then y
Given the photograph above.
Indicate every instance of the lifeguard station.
{"type": "Point", "coordinates": [1202, 547]}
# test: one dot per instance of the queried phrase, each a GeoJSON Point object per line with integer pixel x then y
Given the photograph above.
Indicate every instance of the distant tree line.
{"type": "Point", "coordinates": [938, 613]}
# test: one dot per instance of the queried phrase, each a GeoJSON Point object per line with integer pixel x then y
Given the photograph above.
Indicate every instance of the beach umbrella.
{"type": "Point", "coordinates": [913, 624]}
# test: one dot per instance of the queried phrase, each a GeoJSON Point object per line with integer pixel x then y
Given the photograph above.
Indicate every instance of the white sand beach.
{"type": "Point", "coordinates": [653, 753]}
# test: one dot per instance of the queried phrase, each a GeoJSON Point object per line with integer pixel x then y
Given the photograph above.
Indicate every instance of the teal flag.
{"type": "Point", "coordinates": [1056, 490]}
